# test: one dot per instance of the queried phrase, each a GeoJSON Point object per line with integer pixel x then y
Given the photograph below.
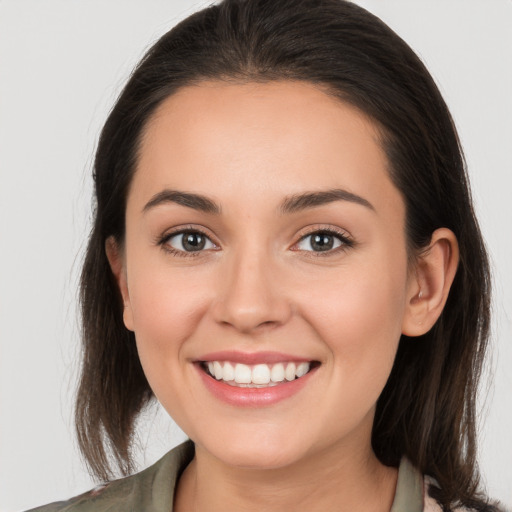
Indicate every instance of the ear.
{"type": "Point", "coordinates": [117, 265]}
{"type": "Point", "coordinates": [430, 283]}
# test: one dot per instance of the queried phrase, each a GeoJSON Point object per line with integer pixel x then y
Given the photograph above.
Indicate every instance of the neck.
{"type": "Point", "coordinates": [329, 480]}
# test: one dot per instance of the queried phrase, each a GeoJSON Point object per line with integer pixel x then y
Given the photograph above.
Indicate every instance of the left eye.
{"type": "Point", "coordinates": [190, 241]}
{"type": "Point", "coordinates": [320, 241]}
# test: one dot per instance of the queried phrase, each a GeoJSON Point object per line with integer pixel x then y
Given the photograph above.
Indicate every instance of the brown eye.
{"type": "Point", "coordinates": [193, 241]}
{"type": "Point", "coordinates": [321, 241]}
{"type": "Point", "coordinates": [190, 241]}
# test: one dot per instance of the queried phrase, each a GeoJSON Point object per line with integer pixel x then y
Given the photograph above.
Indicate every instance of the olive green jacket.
{"type": "Point", "coordinates": [152, 490]}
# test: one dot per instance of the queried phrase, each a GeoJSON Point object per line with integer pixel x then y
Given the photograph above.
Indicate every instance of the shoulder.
{"type": "Point", "coordinates": [431, 505]}
{"type": "Point", "coordinates": [413, 492]}
{"type": "Point", "coordinates": [151, 490]}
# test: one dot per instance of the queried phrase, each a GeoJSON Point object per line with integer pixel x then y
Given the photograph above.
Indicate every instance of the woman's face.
{"type": "Point", "coordinates": [264, 238]}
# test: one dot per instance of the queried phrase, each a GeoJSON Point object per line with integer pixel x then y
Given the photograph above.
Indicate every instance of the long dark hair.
{"type": "Point", "coordinates": [427, 409]}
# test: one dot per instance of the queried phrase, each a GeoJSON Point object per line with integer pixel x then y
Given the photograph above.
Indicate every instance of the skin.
{"type": "Point", "coordinates": [259, 286]}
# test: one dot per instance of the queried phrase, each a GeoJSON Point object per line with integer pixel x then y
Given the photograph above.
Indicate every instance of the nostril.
{"type": "Point", "coordinates": [250, 302]}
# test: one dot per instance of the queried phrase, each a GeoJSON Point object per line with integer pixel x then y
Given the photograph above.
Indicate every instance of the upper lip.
{"type": "Point", "coordinates": [252, 358]}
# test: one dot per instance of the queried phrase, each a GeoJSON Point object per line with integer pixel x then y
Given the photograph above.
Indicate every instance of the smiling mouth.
{"type": "Point", "coordinates": [258, 375]}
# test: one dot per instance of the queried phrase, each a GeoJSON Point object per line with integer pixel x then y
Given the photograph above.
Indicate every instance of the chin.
{"type": "Point", "coordinates": [255, 453]}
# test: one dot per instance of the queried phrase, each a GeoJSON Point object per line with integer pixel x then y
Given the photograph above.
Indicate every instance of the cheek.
{"type": "Point", "coordinates": [358, 315]}
{"type": "Point", "coordinates": [166, 307]}
{"type": "Point", "coordinates": [358, 299]}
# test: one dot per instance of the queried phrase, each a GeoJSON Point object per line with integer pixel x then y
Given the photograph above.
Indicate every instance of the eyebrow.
{"type": "Point", "coordinates": [194, 201]}
{"type": "Point", "coordinates": [308, 200]}
{"type": "Point", "coordinates": [292, 204]}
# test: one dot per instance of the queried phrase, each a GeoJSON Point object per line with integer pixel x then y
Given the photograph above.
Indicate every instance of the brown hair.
{"type": "Point", "coordinates": [427, 409]}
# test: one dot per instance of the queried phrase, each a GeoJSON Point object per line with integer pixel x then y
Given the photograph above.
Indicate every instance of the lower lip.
{"type": "Point", "coordinates": [253, 397]}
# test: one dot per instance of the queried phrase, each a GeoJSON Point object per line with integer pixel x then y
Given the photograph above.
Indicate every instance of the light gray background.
{"type": "Point", "coordinates": [62, 64]}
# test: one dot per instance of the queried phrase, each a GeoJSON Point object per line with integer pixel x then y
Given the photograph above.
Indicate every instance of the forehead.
{"type": "Point", "coordinates": [271, 138]}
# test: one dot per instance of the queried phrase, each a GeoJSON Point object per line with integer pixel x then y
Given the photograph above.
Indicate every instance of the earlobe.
{"type": "Point", "coordinates": [431, 282]}
{"type": "Point", "coordinates": [115, 259]}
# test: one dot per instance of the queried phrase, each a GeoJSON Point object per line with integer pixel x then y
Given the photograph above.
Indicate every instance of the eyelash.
{"type": "Point", "coordinates": [345, 242]}
{"type": "Point", "coordinates": [162, 241]}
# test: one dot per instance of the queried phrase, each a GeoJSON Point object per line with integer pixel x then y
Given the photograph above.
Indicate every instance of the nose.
{"type": "Point", "coordinates": [250, 296]}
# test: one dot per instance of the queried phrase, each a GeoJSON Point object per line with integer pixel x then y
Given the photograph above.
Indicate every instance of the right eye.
{"type": "Point", "coordinates": [189, 241]}
{"type": "Point", "coordinates": [320, 241]}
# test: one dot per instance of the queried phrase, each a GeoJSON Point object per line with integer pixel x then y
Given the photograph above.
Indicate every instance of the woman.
{"type": "Point", "coordinates": [285, 254]}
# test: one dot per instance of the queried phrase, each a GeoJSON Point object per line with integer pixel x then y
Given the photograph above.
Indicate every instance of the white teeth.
{"type": "Point", "coordinates": [302, 369]}
{"type": "Point", "coordinates": [277, 373]}
{"type": "Point", "coordinates": [217, 370]}
{"type": "Point", "coordinates": [289, 373]}
{"type": "Point", "coordinates": [235, 385]}
{"type": "Point", "coordinates": [228, 372]}
{"type": "Point", "coordinates": [243, 374]}
{"type": "Point", "coordinates": [259, 375]}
